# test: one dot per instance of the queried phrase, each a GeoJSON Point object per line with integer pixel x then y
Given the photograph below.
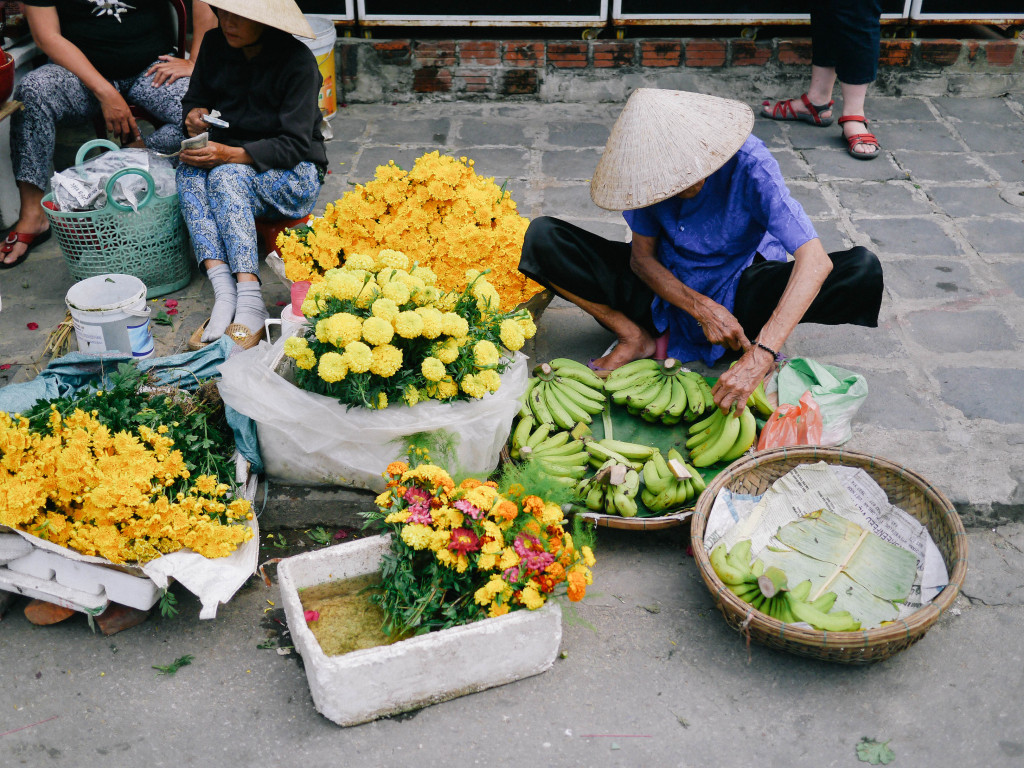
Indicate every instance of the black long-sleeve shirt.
{"type": "Point", "coordinates": [269, 101]}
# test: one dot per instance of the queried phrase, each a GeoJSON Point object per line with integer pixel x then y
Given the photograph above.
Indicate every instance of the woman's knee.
{"type": "Point", "coordinates": [860, 266]}
{"type": "Point", "coordinates": [230, 177]}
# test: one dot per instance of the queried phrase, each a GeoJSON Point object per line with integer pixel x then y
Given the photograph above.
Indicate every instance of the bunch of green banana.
{"type": "Point", "coordinates": [602, 495]}
{"type": "Point", "coordinates": [766, 589]}
{"type": "Point", "coordinates": [632, 455]}
{"type": "Point", "coordinates": [659, 390]}
{"type": "Point", "coordinates": [662, 489]}
{"type": "Point", "coordinates": [759, 401]}
{"type": "Point", "coordinates": [563, 393]}
{"type": "Point", "coordinates": [721, 437]}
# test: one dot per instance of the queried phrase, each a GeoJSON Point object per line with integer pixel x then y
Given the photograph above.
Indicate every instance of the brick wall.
{"type": "Point", "coordinates": [401, 70]}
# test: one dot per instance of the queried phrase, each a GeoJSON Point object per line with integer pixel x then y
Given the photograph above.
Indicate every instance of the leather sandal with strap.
{"type": "Point", "coordinates": [783, 110]}
{"type": "Point", "coordinates": [858, 139]}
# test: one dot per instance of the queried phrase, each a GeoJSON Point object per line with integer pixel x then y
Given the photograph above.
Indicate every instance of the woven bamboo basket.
{"type": "Point", "coordinates": [906, 489]}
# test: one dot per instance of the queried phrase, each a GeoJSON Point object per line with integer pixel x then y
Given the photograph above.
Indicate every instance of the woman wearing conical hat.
{"type": "Point", "coordinates": [269, 160]}
{"type": "Point", "coordinates": [712, 225]}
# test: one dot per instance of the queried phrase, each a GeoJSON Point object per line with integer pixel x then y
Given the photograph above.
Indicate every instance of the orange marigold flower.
{"type": "Point", "coordinates": [396, 468]}
{"type": "Point", "coordinates": [577, 586]}
{"type": "Point", "coordinates": [505, 509]}
{"type": "Point", "coordinates": [470, 483]}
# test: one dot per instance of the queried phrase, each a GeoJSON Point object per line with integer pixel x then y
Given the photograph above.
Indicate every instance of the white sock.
{"type": "Point", "coordinates": [250, 310]}
{"type": "Point", "coordinates": [223, 303]}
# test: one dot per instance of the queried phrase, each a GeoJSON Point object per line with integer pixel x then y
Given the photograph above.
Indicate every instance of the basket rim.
{"type": "Point", "coordinates": [901, 630]}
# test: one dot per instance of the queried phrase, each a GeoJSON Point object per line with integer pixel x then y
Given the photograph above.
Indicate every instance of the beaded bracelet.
{"type": "Point", "coordinates": [767, 349]}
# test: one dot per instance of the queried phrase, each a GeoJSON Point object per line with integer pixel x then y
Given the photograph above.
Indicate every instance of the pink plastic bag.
{"type": "Point", "coordinates": [790, 424]}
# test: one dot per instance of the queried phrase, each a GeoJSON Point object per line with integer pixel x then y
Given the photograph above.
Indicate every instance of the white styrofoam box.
{"type": "Point", "coordinates": [86, 578]}
{"type": "Point", "coordinates": [52, 592]}
{"type": "Point", "coordinates": [12, 546]}
{"type": "Point", "coordinates": [375, 682]}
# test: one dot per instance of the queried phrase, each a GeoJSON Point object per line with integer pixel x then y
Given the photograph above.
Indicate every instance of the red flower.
{"type": "Point", "coordinates": [173, 310]}
{"type": "Point", "coordinates": [281, 303]}
{"type": "Point", "coordinates": [5, 366]}
{"type": "Point", "coordinates": [32, 326]}
{"type": "Point", "coordinates": [171, 303]}
{"type": "Point", "coordinates": [311, 616]}
{"type": "Point", "coordinates": [464, 541]}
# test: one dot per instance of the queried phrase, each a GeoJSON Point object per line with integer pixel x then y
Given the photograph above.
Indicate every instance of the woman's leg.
{"type": "Point", "coordinates": [208, 246]}
{"type": "Point", "coordinates": [857, 41]}
{"type": "Point", "coordinates": [594, 274]}
{"type": "Point", "coordinates": [851, 294]}
{"type": "Point", "coordinates": [51, 95]}
{"type": "Point", "coordinates": [164, 103]}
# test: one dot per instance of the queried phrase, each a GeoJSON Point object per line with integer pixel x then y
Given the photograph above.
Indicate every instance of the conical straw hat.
{"type": "Point", "coordinates": [665, 141]}
{"type": "Point", "coordinates": [280, 14]}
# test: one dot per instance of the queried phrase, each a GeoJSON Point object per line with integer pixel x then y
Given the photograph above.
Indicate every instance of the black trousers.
{"type": "Point", "coordinates": [557, 253]}
{"type": "Point", "coordinates": [845, 35]}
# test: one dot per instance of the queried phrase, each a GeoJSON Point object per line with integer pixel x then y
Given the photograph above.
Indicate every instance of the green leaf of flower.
{"type": "Point", "coordinates": [874, 752]}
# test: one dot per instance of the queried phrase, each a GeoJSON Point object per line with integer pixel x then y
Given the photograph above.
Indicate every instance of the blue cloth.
{"type": "Point", "coordinates": [708, 240]}
{"type": "Point", "coordinates": [78, 370]}
{"type": "Point", "coordinates": [220, 207]}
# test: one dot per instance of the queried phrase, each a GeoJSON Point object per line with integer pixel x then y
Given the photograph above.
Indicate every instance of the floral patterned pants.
{"type": "Point", "coordinates": [53, 96]}
{"type": "Point", "coordinates": [220, 207]}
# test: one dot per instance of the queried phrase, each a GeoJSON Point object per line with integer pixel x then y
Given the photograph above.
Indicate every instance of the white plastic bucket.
{"type": "Point", "coordinates": [323, 48]}
{"type": "Point", "coordinates": [109, 313]}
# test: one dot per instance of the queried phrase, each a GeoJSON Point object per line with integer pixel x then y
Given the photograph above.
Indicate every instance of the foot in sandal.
{"type": "Point", "coordinates": [800, 109]}
{"type": "Point", "coordinates": [860, 143]}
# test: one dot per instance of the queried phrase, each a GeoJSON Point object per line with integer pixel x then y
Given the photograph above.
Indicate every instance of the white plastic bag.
{"type": "Point", "coordinates": [310, 439]}
{"type": "Point", "coordinates": [83, 187]}
{"type": "Point", "coordinates": [838, 392]}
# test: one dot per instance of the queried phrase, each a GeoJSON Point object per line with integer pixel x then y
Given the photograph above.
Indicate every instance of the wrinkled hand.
{"type": "Point", "coordinates": [118, 118]}
{"type": "Point", "coordinates": [721, 327]}
{"type": "Point", "coordinates": [169, 69]}
{"type": "Point", "coordinates": [194, 123]}
{"type": "Point", "coordinates": [210, 156]}
{"type": "Point", "coordinates": [736, 384]}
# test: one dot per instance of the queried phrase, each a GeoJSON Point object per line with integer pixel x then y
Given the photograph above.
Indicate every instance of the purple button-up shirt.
{"type": "Point", "coordinates": [707, 241]}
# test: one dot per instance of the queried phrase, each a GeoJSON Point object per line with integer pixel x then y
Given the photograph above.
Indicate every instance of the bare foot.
{"type": "Point", "coordinates": [627, 350]}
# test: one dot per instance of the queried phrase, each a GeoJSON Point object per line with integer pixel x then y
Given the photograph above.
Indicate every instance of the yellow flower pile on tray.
{"type": "Point", "coordinates": [441, 214]}
{"type": "Point", "coordinates": [383, 333]}
{"type": "Point", "coordinates": [469, 551]}
{"type": "Point", "coordinates": [126, 495]}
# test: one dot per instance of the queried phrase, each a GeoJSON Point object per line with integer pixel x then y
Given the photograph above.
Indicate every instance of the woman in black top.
{"type": "Point", "coordinates": [269, 162]}
{"type": "Point", "coordinates": [103, 54]}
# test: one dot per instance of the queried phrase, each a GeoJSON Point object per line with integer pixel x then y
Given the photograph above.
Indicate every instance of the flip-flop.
{"type": "Point", "coordinates": [30, 241]}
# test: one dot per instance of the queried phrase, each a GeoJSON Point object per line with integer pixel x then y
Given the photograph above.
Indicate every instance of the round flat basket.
{"type": "Point", "coordinates": [906, 489]}
{"type": "Point", "coordinates": [658, 523]}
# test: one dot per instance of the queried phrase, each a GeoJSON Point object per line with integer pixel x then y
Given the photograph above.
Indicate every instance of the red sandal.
{"type": "Point", "coordinates": [783, 110]}
{"type": "Point", "coordinates": [857, 139]}
{"type": "Point", "coordinates": [30, 240]}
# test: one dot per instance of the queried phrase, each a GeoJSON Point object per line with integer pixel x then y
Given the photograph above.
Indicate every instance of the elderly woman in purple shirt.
{"type": "Point", "coordinates": [713, 224]}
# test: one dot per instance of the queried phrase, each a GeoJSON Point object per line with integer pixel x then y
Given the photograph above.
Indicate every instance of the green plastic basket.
{"type": "Point", "coordinates": [151, 244]}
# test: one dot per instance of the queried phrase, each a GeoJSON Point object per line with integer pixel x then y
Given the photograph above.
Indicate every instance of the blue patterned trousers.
{"type": "Point", "coordinates": [220, 207]}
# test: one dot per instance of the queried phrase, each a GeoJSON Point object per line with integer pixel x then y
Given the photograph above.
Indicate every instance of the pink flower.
{"type": "Point", "coordinates": [340, 535]}
{"type": "Point", "coordinates": [416, 495]}
{"type": "Point", "coordinates": [468, 508]}
{"type": "Point", "coordinates": [171, 303]}
{"type": "Point", "coordinates": [531, 553]}
{"type": "Point", "coordinates": [5, 366]}
{"type": "Point", "coordinates": [311, 616]}
{"type": "Point", "coordinates": [32, 326]}
{"type": "Point", "coordinates": [464, 541]}
{"type": "Point", "coordinates": [420, 513]}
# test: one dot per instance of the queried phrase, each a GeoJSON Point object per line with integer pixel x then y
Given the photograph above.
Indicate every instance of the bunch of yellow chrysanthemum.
{"type": "Point", "coordinates": [381, 332]}
{"type": "Point", "coordinates": [503, 550]}
{"type": "Point", "coordinates": [104, 493]}
{"type": "Point", "coordinates": [441, 214]}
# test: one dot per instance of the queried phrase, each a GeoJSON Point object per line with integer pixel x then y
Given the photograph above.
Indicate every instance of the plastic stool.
{"type": "Point", "coordinates": [267, 230]}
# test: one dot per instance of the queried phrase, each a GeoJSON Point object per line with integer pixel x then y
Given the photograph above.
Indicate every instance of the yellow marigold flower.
{"type": "Point", "coordinates": [367, 295]}
{"type": "Point", "coordinates": [340, 329]}
{"type": "Point", "coordinates": [440, 540]}
{"type": "Point", "coordinates": [487, 561]}
{"type": "Point", "coordinates": [512, 335]}
{"type": "Point", "coordinates": [531, 597]}
{"type": "Point", "coordinates": [343, 285]}
{"type": "Point", "coordinates": [397, 292]}
{"type": "Point", "coordinates": [377, 330]}
{"type": "Point", "coordinates": [409, 325]}
{"type": "Point", "coordinates": [417, 536]}
{"type": "Point", "coordinates": [447, 389]}
{"type": "Point", "coordinates": [429, 296]}
{"type": "Point", "coordinates": [526, 323]}
{"type": "Point", "coordinates": [385, 309]}
{"type": "Point", "coordinates": [455, 325]}
{"type": "Point", "coordinates": [432, 369]}
{"type": "Point", "coordinates": [425, 274]}
{"type": "Point", "coordinates": [485, 354]}
{"type": "Point", "coordinates": [551, 515]}
{"type": "Point", "coordinates": [398, 517]}
{"type": "Point", "coordinates": [588, 556]}
{"type": "Point", "coordinates": [359, 261]}
{"type": "Point", "coordinates": [392, 258]}
{"type": "Point", "coordinates": [448, 352]}
{"type": "Point", "coordinates": [490, 379]}
{"type": "Point", "coordinates": [382, 401]}
{"type": "Point", "coordinates": [411, 395]}
{"type": "Point", "coordinates": [387, 360]}
{"type": "Point", "coordinates": [472, 386]}
{"type": "Point", "coordinates": [307, 360]}
{"type": "Point", "coordinates": [357, 356]}
{"type": "Point", "coordinates": [332, 367]}
{"type": "Point", "coordinates": [296, 346]}
{"type": "Point", "coordinates": [433, 321]}
{"type": "Point", "coordinates": [498, 609]}
{"type": "Point", "coordinates": [483, 497]}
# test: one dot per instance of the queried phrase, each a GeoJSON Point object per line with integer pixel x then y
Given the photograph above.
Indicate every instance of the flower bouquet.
{"type": "Point", "coordinates": [464, 552]}
{"type": "Point", "coordinates": [382, 332]}
{"type": "Point", "coordinates": [122, 474]}
{"type": "Point", "coordinates": [441, 214]}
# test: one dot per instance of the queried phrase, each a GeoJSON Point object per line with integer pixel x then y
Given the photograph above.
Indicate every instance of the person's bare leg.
{"type": "Point", "coordinates": [634, 342]}
{"type": "Point", "coordinates": [31, 220]}
{"type": "Point", "coordinates": [823, 80]}
{"type": "Point", "coordinates": [853, 104]}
